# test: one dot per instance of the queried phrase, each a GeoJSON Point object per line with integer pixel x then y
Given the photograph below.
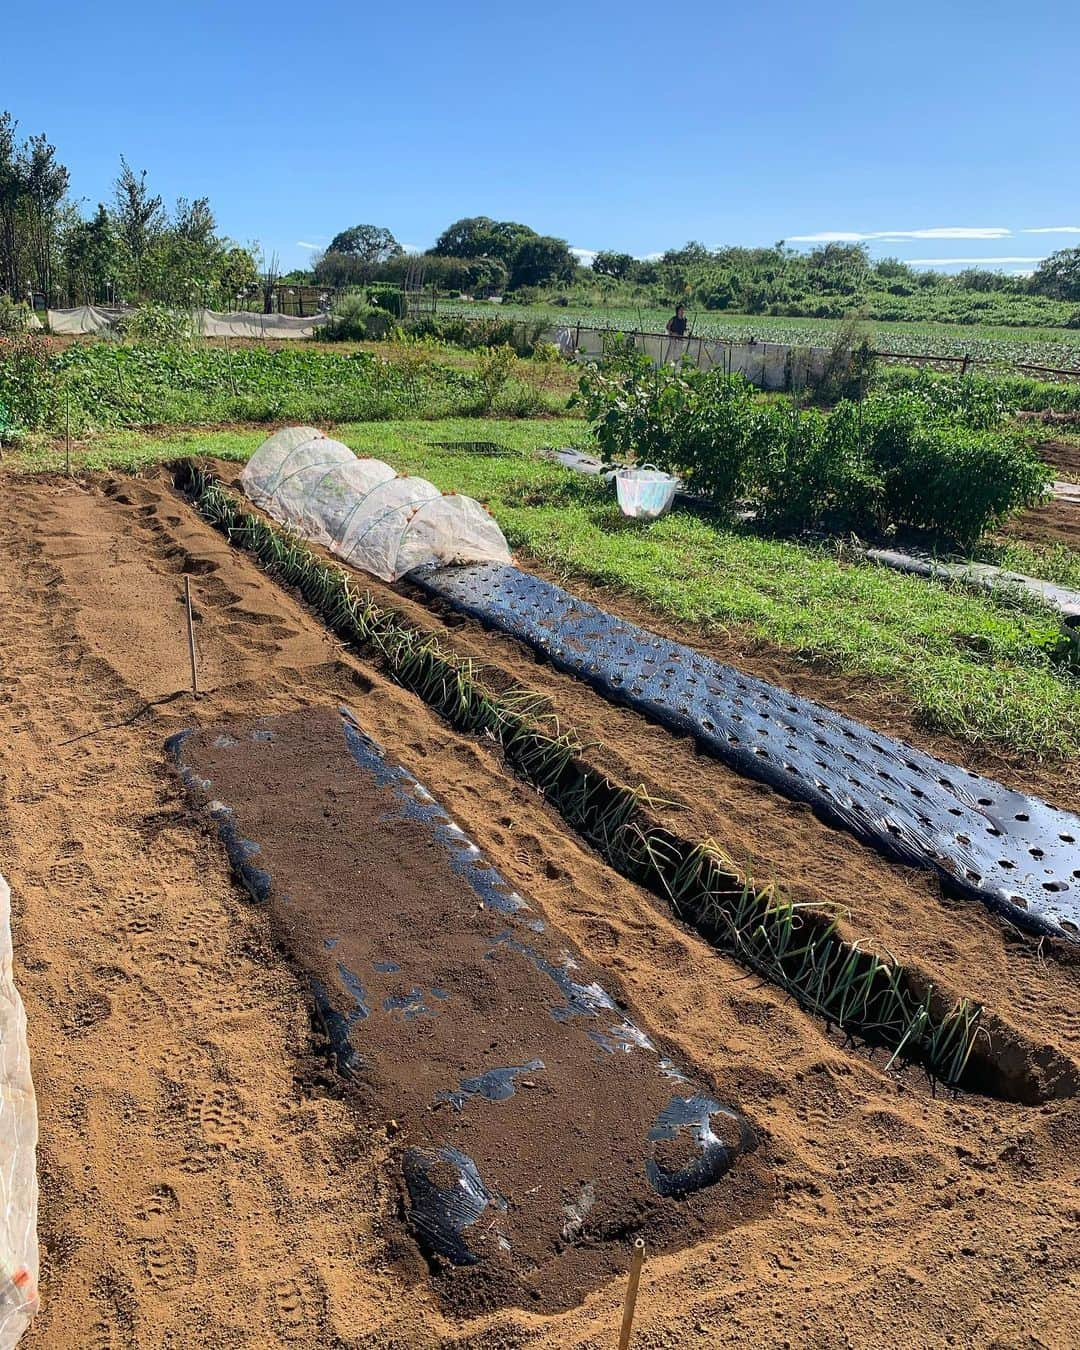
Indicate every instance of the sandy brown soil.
{"type": "Point", "coordinates": [203, 1183]}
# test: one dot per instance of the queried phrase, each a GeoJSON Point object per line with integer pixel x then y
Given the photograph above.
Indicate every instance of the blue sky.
{"type": "Point", "coordinates": [944, 131]}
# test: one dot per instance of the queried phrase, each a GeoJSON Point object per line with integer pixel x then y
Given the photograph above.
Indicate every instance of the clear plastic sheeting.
{"type": "Point", "coordinates": [362, 510]}
{"type": "Point", "coordinates": [18, 1143]}
{"type": "Point", "coordinates": [272, 456]}
{"type": "Point", "coordinates": [327, 498]}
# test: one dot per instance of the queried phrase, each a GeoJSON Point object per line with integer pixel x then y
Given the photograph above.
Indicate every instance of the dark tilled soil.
{"type": "Point", "coordinates": [360, 884]}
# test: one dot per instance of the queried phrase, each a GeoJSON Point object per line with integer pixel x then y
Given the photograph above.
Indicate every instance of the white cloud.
{"type": "Point", "coordinates": [981, 262]}
{"type": "Point", "coordinates": [585, 256]}
{"type": "Point", "coordinates": [894, 236]}
{"type": "Point", "coordinates": [300, 243]}
{"type": "Point", "coordinates": [1053, 229]}
{"type": "Point", "coordinates": [828, 237]}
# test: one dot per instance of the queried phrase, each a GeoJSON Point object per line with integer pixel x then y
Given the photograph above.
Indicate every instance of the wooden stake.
{"type": "Point", "coordinates": [191, 637]}
{"type": "Point", "coordinates": [631, 1294]}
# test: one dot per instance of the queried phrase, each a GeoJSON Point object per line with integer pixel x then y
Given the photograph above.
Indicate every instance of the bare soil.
{"type": "Point", "coordinates": [205, 1182]}
{"type": "Point", "coordinates": [1063, 457]}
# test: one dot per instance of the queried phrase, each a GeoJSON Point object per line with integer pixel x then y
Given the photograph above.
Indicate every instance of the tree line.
{"type": "Point", "coordinates": [482, 257]}
{"type": "Point", "coordinates": [132, 249]}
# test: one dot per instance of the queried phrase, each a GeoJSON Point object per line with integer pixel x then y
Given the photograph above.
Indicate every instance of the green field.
{"type": "Point", "coordinates": [1043, 346]}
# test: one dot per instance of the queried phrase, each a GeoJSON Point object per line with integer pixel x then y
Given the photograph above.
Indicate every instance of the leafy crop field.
{"type": "Point", "coordinates": [1043, 346]}
{"type": "Point", "coordinates": [108, 384]}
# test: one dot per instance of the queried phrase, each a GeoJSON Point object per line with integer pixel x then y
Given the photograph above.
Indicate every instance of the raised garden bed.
{"type": "Point", "coordinates": [539, 1123]}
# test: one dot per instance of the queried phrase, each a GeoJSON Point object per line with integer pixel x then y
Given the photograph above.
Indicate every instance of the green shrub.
{"type": "Point", "coordinates": [357, 319]}
{"type": "Point", "coordinates": [951, 480]}
{"type": "Point", "coordinates": [153, 324]}
{"type": "Point", "coordinates": [814, 470]}
{"type": "Point", "coordinates": [14, 317]}
{"type": "Point", "coordinates": [472, 333]}
{"type": "Point", "coordinates": [29, 387]}
{"type": "Point", "coordinates": [925, 458]}
{"type": "Point", "coordinates": [704, 426]}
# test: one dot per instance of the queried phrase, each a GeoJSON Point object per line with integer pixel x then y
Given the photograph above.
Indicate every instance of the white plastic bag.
{"type": "Point", "coordinates": [18, 1144]}
{"type": "Point", "coordinates": [645, 493]}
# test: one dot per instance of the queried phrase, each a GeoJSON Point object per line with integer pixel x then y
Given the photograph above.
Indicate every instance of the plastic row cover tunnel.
{"type": "Point", "coordinates": [362, 510]}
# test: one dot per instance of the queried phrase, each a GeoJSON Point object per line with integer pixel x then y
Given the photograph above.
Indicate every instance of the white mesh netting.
{"type": "Point", "coordinates": [363, 511]}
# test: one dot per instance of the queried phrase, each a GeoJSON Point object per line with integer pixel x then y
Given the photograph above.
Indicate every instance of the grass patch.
{"type": "Point", "coordinates": [132, 450]}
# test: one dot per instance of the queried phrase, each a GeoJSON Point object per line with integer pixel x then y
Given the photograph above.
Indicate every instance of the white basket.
{"type": "Point", "coordinates": [645, 493]}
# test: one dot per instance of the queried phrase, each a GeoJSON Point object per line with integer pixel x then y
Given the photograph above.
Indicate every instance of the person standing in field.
{"type": "Point", "coordinates": [676, 325]}
{"type": "Point", "coordinates": [676, 331]}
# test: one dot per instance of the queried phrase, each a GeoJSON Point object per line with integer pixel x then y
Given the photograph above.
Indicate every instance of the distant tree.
{"type": "Point", "coordinates": [138, 219]}
{"type": "Point", "coordinates": [608, 264]}
{"type": "Point", "coordinates": [33, 184]}
{"type": "Point", "coordinates": [194, 221]}
{"type": "Point", "coordinates": [892, 269]}
{"type": "Point", "coordinates": [983, 279]}
{"type": "Point", "coordinates": [1059, 275]}
{"type": "Point", "coordinates": [46, 182]}
{"type": "Point", "coordinates": [90, 256]}
{"type": "Point", "coordinates": [341, 269]}
{"type": "Point", "coordinates": [11, 194]}
{"type": "Point", "coordinates": [482, 237]}
{"type": "Point", "coordinates": [541, 260]}
{"type": "Point", "coordinates": [368, 243]}
{"type": "Point", "coordinates": [691, 252]}
{"type": "Point", "coordinates": [237, 273]}
{"type": "Point", "coordinates": [837, 255]}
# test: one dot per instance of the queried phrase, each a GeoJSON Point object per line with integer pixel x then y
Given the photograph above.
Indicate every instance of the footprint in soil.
{"type": "Point", "coordinates": [86, 1014]}
{"type": "Point", "coordinates": [69, 873]}
{"type": "Point", "coordinates": [159, 1206]}
{"type": "Point", "coordinates": [168, 1265]}
{"type": "Point", "coordinates": [222, 1118]}
{"type": "Point", "coordinates": [213, 591]}
{"type": "Point", "coordinates": [297, 1307]}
